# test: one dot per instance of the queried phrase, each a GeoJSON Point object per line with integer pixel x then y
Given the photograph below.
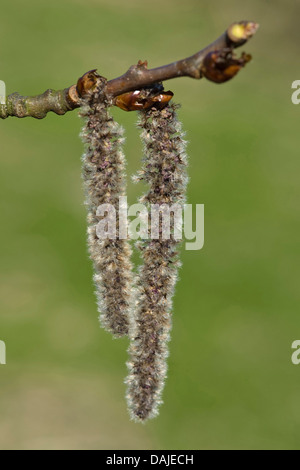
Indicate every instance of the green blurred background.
{"type": "Point", "coordinates": [231, 383]}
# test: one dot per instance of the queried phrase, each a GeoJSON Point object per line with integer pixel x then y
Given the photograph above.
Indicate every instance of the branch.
{"type": "Point", "coordinates": [215, 62]}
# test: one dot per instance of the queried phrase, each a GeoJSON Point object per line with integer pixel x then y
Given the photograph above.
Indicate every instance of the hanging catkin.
{"type": "Point", "coordinates": [164, 169]}
{"type": "Point", "coordinates": [104, 181]}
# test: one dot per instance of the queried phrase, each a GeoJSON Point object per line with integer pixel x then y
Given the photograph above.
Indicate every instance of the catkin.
{"type": "Point", "coordinates": [164, 169]}
{"type": "Point", "coordinates": [104, 178]}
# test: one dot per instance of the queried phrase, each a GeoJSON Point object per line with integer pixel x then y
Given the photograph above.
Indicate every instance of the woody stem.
{"type": "Point", "coordinates": [137, 77]}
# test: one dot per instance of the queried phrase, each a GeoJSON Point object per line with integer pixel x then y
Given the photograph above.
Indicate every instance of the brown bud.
{"type": "Point", "coordinates": [87, 82]}
{"type": "Point", "coordinates": [161, 100]}
{"type": "Point", "coordinates": [221, 66]}
{"type": "Point", "coordinates": [138, 100]}
{"type": "Point", "coordinates": [143, 64]}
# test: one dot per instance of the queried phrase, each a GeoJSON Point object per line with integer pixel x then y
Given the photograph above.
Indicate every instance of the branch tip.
{"type": "Point", "coordinates": [241, 32]}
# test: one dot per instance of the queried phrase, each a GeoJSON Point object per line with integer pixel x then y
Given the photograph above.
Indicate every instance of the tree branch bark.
{"type": "Point", "coordinates": [137, 77]}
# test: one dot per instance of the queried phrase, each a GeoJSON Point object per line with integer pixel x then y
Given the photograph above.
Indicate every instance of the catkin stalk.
{"type": "Point", "coordinates": [104, 178]}
{"type": "Point", "coordinates": [164, 169]}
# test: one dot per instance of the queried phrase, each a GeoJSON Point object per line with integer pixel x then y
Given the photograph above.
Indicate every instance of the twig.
{"type": "Point", "coordinates": [137, 77]}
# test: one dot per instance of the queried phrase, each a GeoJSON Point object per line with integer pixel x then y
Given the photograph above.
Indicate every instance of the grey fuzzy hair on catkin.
{"type": "Point", "coordinates": [103, 171]}
{"type": "Point", "coordinates": [164, 169]}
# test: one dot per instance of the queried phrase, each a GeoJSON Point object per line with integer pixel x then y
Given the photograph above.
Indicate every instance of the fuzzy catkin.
{"type": "Point", "coordinates": [104, 178]}
{"type": "Point", "coordinates": [164, 169]}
